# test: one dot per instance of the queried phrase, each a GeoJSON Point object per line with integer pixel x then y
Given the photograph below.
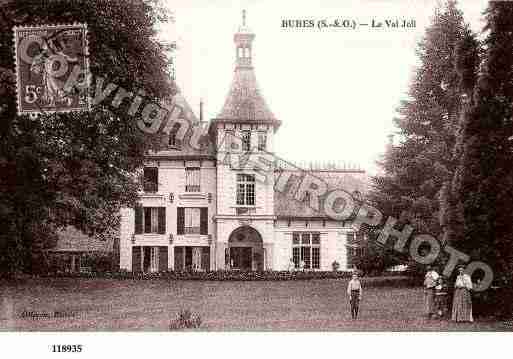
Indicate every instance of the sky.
{"type": "Point", "coordinates": [335, 90]}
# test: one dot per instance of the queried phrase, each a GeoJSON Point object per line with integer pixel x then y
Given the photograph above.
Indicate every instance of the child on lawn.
{"type": "Point", "coordinates": [354, 291]}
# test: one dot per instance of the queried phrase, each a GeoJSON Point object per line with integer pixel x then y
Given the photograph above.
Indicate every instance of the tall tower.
{"type": "Point", "coordinates": [245, 206]}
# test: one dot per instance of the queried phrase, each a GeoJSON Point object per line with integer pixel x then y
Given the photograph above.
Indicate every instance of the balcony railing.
{"type": "Point", "coordinates": [192, 188]}
{"type": "Point", "coordinates": [192, 230]}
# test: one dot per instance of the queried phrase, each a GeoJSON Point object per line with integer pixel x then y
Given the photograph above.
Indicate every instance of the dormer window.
{"type": "Point", "coordinates": [173, 140]}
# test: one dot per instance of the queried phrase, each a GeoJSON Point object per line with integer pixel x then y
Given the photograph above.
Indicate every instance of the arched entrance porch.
{"type": "Point", "coordinates": [245, 250]}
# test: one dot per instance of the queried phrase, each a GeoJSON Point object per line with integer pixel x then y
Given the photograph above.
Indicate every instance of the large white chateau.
{"type": "Point", "coordinates": [202, 210]}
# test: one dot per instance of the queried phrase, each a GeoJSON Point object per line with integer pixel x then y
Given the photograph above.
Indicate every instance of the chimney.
{"type": "Point", "coordinates": [201, 111]}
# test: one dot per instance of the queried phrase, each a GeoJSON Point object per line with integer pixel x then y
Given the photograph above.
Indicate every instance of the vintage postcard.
{"type": "Point", "coordinates": [262, 166]}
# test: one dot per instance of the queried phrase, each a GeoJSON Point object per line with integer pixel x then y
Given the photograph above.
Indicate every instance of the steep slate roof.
{"type": "Point", "coordinates": [245, 100]}
{"type": "Point", "coordinates": [288, 207]}
{"type": "Point", "coordinates": [184, 149]}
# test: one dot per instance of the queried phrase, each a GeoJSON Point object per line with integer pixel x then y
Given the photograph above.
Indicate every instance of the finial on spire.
{"type": "Point", "coordinates": [244, 17]}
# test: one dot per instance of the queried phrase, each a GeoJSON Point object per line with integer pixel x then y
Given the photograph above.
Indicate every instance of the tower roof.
{"type": "Point", "coordinates": [245, 102]}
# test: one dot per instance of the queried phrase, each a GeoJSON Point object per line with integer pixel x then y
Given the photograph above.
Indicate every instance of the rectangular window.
{"type": "Point", "coordinates": [316, 257]}
{"type": "Point", "coordinates": [150, 178]}
{"type": "Point", "coordinates": [229, 140]}
{"type": "Point", "coordinates": [245, 189]}
{"type": "Point", "coordinates": [192, 179]}
{"type": "Point", "coordinates": [192, 221]}
{"type": "Point", "coordinates": [296, 257]}
{"type": "Point", "coordinates": [295, 238]}
{"type": "Point", "coordinates": [246, 141]}
{"type": "Point", "coordinates": [262, 141]}
{"type": "Point", "coordinates": [306, 250]}
{"type": "Point", "coordinates": [150, 220]}
{"type": "Point", "coordinates": [316, 238]}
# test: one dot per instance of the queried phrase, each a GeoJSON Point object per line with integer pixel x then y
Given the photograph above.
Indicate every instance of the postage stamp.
{"type": "Point", "coordinates": [46, 57]}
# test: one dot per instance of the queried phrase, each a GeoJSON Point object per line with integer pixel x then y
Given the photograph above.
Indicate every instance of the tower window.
{"type": "Point", "coordinates": [245, 189]}
{"type": "Point", "coordinates": [246, 141]}
{"type": "Point", "coordinates": [262, 141]}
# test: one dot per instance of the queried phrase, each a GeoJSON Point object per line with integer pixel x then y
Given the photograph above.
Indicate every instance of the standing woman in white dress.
{"type": "Point", "coordinates": [462, 302]}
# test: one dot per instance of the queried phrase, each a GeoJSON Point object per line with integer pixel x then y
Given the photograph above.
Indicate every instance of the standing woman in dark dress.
{"type": "Point", "coordinates": [462, 302]}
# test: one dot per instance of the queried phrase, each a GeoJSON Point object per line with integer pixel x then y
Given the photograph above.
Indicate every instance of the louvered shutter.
{"type": "Point", "coordinates": [204, 221]}
{"type": "Point", "coordinates": [136, 259]}
{"type": "Point", "coordinates": [138, 219]}
{"type": "Point", "coordinates": [180, 221]}
{"type": "Point", "coordinates": [163, 259]}
{"type": "Point", "coordinates": [147, 219]}
{"type": "Point", "coordinates": [162, 220]}
{"type": "Point", "coordinates": [179, 263]}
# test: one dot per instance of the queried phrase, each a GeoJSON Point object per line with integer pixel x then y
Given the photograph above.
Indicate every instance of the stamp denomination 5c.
{"type": "Point", "coordinates": [46, 56]}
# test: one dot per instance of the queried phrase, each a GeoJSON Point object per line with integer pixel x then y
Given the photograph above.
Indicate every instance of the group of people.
{"type": "Point", "coordinates": [435, 292]}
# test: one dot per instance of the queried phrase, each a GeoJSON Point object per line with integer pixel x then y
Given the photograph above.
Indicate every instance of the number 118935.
{"type": "Point", "coordinates": [58, 348]}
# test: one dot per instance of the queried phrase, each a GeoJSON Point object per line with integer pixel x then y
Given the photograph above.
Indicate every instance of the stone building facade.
{"type": "Point", "coordinates": [202, 208]}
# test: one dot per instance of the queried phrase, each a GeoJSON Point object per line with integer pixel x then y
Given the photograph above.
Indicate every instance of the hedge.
{"type": "Point", "coordinates": [235, 276]}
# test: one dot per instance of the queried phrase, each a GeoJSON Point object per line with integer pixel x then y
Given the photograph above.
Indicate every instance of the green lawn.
{"type": "Point", "coordinates": [316, 305]}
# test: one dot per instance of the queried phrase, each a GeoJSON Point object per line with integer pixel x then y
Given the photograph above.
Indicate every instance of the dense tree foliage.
{"type": "Point", "coordinates": [416, 168]}
{"type": "Point", "coordinates": [483, 182]}
{"type": "Point", "coordinates": [75, 168]}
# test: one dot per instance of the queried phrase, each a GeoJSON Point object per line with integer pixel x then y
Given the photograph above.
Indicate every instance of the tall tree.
{"type": "Point", "coordinates": [415, 169]}
{"type": "Point", "coordinates": [484, 180]}
{"type": "Point", "coordinates": [451, 206]}
{"type": "Point", "coordinates": [77, 164]}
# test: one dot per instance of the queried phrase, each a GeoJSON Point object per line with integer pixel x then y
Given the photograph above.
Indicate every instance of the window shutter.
{"type": "Point", "coordinates": [180, 220]}
{"type": "Point", "coordinates": [162, 220]}
{"type": "Point", "coordinates": [136, 259]}
{"type": "Point", "coordinates": [179, 262]}
{"type": "Point", "coordinates": [147, 219]}
{"type": "Point", "coordinates": [163, 267]}
{"type": "Point", "coordinates": [205, 258]}
{"type": "Point", "coordinates": [204, 221]}
{"type": "Point", "coordinates": [138, 219]}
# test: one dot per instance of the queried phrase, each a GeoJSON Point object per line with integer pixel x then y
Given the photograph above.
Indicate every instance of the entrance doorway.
{"type": "Point", "coordinates": [241, 258]}
{"type": "Point", "coordinates": [245, 250]}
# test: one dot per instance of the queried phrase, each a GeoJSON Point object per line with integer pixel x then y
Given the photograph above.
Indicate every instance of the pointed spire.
{"type": "Point", "coordinates": [245, 101]}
